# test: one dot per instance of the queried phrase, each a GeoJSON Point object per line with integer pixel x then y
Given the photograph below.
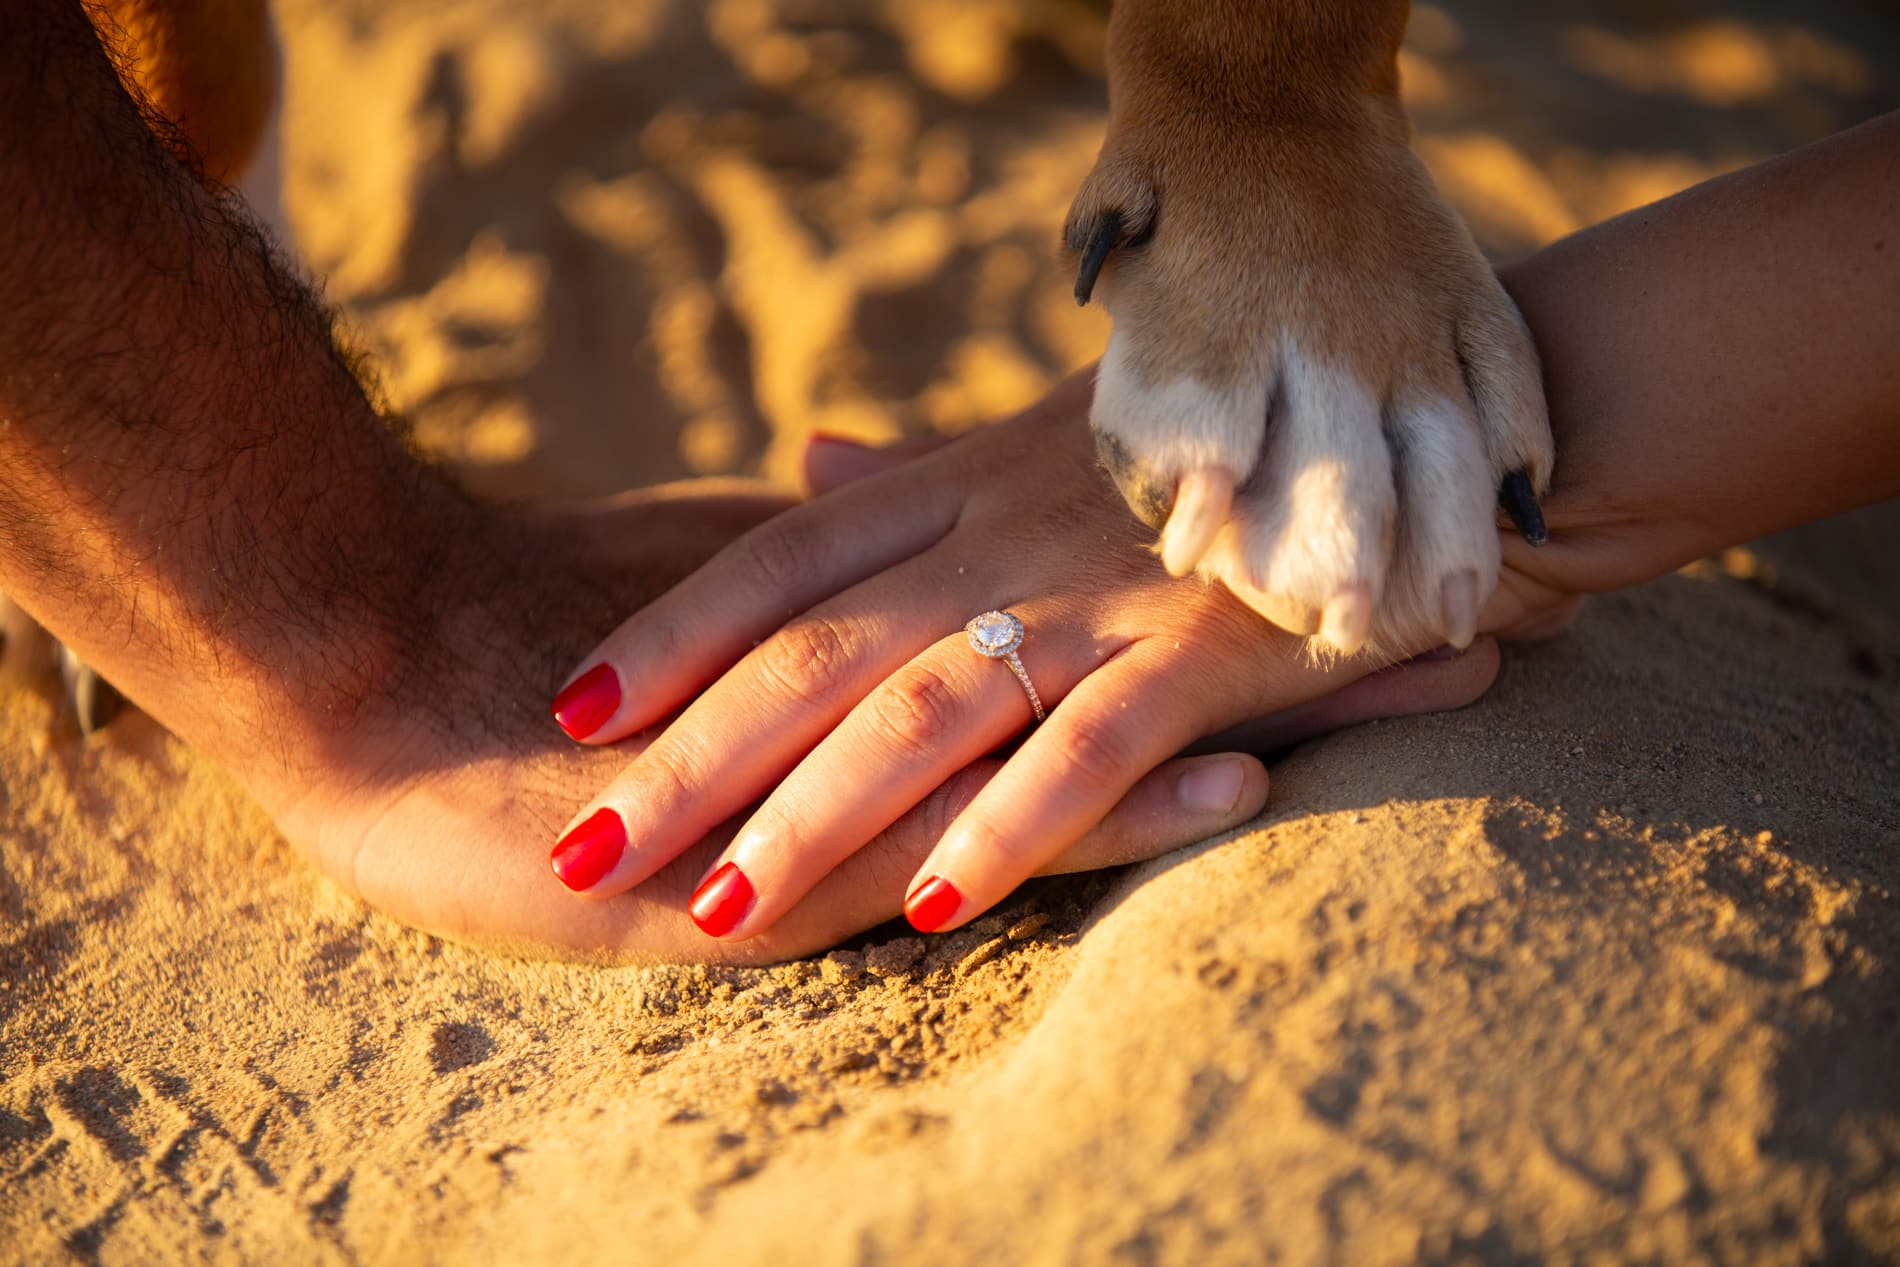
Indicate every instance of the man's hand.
{"type": "Point", "coordinates": [202, 501]}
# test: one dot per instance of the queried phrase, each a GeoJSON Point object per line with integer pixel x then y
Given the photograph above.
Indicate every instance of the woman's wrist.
{"type": "Point", "coordinates": [1719, 365]}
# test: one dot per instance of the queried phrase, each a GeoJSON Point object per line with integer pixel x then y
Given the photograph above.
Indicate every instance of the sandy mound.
{"type": "Point", "coordinates": [1603, 969]}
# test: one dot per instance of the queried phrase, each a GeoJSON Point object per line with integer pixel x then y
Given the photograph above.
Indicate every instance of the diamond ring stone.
{"type": "Point", "coordinates": [995, 636]}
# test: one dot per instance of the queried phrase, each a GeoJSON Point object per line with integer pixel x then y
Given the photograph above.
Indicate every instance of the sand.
{"type": "Point", "coordinates": [1603, 969]}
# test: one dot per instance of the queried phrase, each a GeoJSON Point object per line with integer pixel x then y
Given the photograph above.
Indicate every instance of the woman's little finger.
{"type": "Point", "coordinates": [1435, 682]}
{"type": "Point", "coordinates": [1177, 803]}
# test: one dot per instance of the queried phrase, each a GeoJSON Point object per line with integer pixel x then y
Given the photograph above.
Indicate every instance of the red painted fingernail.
{"type": "Point", "coordinates": [721, 901]}
{"type": "Point", "coordinates": [589, 852]}
{"type": "Point", "coordinates": [932, 905]}
{"type": "Point", "coordinates": [586, 703]}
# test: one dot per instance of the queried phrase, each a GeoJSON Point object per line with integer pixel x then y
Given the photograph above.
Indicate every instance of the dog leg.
{"type": "Point", "coordinates": [1315, 389]}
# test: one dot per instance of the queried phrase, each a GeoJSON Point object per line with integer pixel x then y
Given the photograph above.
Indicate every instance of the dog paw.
{"type": "Point", "coordinates": [1315, 387]}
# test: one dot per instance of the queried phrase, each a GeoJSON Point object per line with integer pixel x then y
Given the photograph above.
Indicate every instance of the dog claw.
{"type": "Point", "coordinates": [1520, 503]}
{"type": "Point", "coordinates": [1201, 502]}
{"type": "Point", "coordinates": [1347, 620]}
{"type": "Point", "coordinates": [1102, 238]}
{"type": "Point", "coordinates": [1459, 603]}
{"type": "Point", "coordinates": [95, 701]}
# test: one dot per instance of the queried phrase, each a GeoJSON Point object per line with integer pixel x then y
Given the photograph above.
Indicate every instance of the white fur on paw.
{"type": "Point", "coordinates": [1314, 528]}
{"type": "Point", "coordinates": [1179, 424]}
{"type": "Point", "coordinates": [1445, 557]}
{"type": "Point", "coordinates": [1333, 511]}
{"type": "Point", "coordinates": [1366, 525]}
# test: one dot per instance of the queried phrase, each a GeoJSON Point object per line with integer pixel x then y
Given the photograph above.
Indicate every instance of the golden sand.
{"type": "Point", "coordinates": [1604, 969]}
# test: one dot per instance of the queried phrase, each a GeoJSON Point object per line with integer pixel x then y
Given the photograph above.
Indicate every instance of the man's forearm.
{"type": "Point", "coordinates": [1723, 364]}
{"type": "Point", "coordinates": [186, 458]}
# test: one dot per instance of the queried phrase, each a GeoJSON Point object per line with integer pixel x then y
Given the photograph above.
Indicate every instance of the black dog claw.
{"type": "Point", "coordinates": [1520, 503]}
{"type": "Point", "coordinates": [1095, 242]}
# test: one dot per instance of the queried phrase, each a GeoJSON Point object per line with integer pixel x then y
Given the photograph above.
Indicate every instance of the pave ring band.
{"type": "Point", "coordinates": [995, 636]}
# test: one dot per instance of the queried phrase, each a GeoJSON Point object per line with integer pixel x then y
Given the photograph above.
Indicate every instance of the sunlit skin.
{"type": "Point", "coordinates": [214, 514]}
{"type": "Point", "coordinates": [1683, 426]}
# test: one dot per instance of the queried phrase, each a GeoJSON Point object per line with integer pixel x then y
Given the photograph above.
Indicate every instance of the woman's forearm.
{"type": "Point", "coordinates": [1722, 364]}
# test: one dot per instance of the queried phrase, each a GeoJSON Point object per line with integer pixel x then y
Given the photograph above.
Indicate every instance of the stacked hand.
{"type": "Point", "coordinates": [821, 664]}
{"type": "Point", "coordinates": [269, 573]}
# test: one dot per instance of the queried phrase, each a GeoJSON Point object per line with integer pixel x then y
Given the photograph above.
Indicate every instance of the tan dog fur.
{"type": "Point", "coordinates": [1315, 380]}
{"type": "Point", "coordinates": [209, 67]}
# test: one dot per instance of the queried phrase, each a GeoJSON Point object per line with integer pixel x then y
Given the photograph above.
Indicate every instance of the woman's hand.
{"type": "Point", "coordinates": [1670, 403]}
{"type": "Point", "coordinates": [850, 688]}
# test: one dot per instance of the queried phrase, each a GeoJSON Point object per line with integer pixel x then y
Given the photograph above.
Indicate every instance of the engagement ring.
{"type": "Point", "coordinates": [995, 636]}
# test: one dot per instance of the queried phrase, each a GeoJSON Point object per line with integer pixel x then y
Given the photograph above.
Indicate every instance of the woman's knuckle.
{"type": "Point", "coordinates": [778, 556]}
{"type": "Point", "coordinates": [948, 802]}
{"type": "Point", "coordinates": [808, 659]}
{"type": "Point", "coordinates": [659, 641]}
{"type": "Point", "coordinates": [917, 709]}
{"type": "Point", "coordinates": [1095, 749]}
{"type": "Point", "coordinates": [789, 826]}
{"type": "Point", "coordinates": [670, 780]}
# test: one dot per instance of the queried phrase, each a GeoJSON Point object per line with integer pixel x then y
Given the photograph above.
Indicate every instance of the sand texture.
{"type": "Point", "coordinates": [1604, 969]}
